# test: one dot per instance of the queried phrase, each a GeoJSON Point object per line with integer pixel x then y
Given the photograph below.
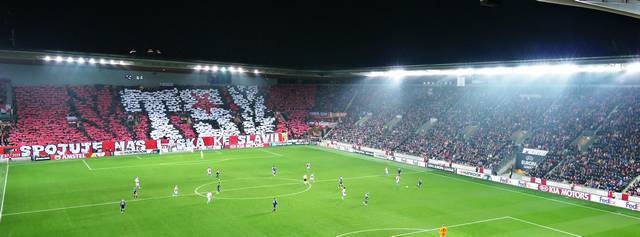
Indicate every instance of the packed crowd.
{"type": "Point", "coordinates": [483, 126]}
{"type": "Point", "coordinates": [478, 125]}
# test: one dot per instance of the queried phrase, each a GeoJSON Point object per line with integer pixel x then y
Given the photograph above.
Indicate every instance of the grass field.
{"type": "Point", "coordinates": [80, 198]}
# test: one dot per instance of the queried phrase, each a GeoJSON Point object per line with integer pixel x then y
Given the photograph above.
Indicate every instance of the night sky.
{"type": "Point", "coordinates": [326, 35]}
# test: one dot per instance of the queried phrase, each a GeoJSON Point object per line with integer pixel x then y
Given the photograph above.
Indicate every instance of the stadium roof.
{"type": "Point", "coordinates": [198, 66]}
{"type": "Point", "coordinates": [326, 34]}
{"type": "Point", "coordinates": [629, 8]}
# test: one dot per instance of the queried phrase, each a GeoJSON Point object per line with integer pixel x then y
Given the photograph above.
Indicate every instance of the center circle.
{"type": "Point", "coordinates": [289, 183]}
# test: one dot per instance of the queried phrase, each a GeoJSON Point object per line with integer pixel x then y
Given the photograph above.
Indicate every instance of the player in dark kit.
{"type": "Point", "coordinates": [122, 205]}
{"type": "Point", "coordinates": [135, 192]}
{"type": "Point", "coordinates": [399, 171]}
{"type": "Point", "coordinates": [218, 174]}
{"type": "Point", "coordinates": [275, 204]}
{"type": "Point", "coordinates": [366, 199]}
{"type": "Point", "coordinates": [218, 187]}
{"type": "Point", "coordinates": [420, 183]}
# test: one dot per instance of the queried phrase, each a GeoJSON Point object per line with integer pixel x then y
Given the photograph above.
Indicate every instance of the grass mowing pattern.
{"type": "Point", "coordinates": [80, 198]}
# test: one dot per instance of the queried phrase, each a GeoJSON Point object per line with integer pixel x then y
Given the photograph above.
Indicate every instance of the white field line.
{"type": "Point", "coordinates": [361, 177]}
{"type": "Point", "coordinates": [86, 164]}
{"type": "Point", "coordinates": [179, 163]}
{"type": "Point", "coordinates": [197, 190]}
{"type": "Point", "coordinates": [93, 205]}
{"type": "Point", "coordinates": [358, 156]}
{"type": "Point", "coordinates": [544, 226]}
{"type": "Point", "coordinates": [421, 230]}
{"type": "Point", "coordinates": [533, 195]}
{"type": "Point", "coordinates": [4, 190]}
{"type": "Point", "coordinates": [133, 200]}
{"type": "Point", "coordinates": [453, 226]}
{"type": "Point", "coordinates": [139, 158]}
{"type": "Point", "coordinates": [487, 185]}
{"type": "Point", "coordinates": [270, 152]}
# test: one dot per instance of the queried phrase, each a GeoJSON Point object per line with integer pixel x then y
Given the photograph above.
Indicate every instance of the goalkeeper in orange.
{"type": "Point", "coordinates": [443, 231]}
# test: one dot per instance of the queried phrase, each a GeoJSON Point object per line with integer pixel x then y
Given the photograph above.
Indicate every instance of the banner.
{"type": "Point", "coordinates": [565, 192]}
{"type": "Point", "coordinates": [440, 167]}
{"type": "Point", "coordinates": [74, 150]}
{"type": "Point", "coordinates": [469, 173]}
{"type": "Point", "coordinates": [530, 158]}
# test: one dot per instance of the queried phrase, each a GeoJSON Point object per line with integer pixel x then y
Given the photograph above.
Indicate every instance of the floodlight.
{"type": "Point", "coordinates": [232, 69]}
{"type": "Point", "coordinates": [47, 58]}
{"type": "Point", "coordinates": [205, 68]}
{"type": "Point", "coordinates": [240, 70]}
{"type": "Point", "coordinates": [69, 59]}
{"type": "Point", "coordinates": [197, 67]}
{"type": "Point", "coordinates": [255, 71]}
{"type": "Point", "coordinates": [92, 61]}
{"type": "Point", "coordinates": [121, 62]}
{"type": "Point", "coordinates": [59, 59]}
{"type": "Point", "coordinates": [80, 60]}
{"type": "Point", "coordinates": [103, 61]}
{"type": "Point", "coordinates": [223, 69]}
{"type": "Point", "coordinates": [112, 62]}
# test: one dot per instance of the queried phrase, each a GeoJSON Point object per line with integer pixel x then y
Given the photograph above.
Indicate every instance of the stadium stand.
{"type": "Point", "coordinates": [33, 120]}
{"type": "Point", "coordinates": [476, 126]}
{"type": "Point", "coordinates": [292, 104]}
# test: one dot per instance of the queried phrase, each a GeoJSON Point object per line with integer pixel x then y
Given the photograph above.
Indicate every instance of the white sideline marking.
{"type": "Point", "coordinates": [421, 230]}
{"type": "Point", "coordinates": [93, 205]}
{"type": "Point", "coordinates": [86, 164]}
{"type": "Point", "coordinates": [544, 226]}
{"type": "Point", "coordinates": [133, 200]}
{"type": "Point", "coordinates": [533, 195]}
{"type": "Point", "coordinates": [363, 177]}
{"type": "Point", "coordinates": [4, 190]}
{"type": "Point", "coordinates": [179, 163]}
{"type": "Point", "coordinates": [483, 184]}
{"type": "Point", "coordinates": [139, 158]}
{"type": "Point", "coordinates": [271, 152]}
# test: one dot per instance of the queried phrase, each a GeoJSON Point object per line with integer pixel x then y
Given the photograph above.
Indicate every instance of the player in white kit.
{"type": "Point", "coordinates": [137, 180]}
{"type": "Point", "coordinates": [397, 179]}
{"type": "Point", "coordinates": [344, 192]}
{"type": "Point", "coordinates": [209, 171]}
{"type": "Point", "coordinates": [175, 191]}
{"type": "Point", "coordinates": [312, 178]}
{"type": "Point", "coordinates": [209, 197]}
{"type": "Point", "coordinates": [386, 171]}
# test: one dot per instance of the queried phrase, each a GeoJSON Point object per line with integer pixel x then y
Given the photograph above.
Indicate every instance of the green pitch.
{"type": "Point", "coordinates": [80, 198]}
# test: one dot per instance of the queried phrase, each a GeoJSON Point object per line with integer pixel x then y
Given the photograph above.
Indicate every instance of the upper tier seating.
{"type": "Point", "coordinates": [294, 102]}
{"type": "Point", "coordinates": [210, 115]}
{"type": "Point", "coordinates": [42, 117]}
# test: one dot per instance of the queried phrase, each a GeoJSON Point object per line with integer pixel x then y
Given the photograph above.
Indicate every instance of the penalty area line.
{"type": "Point", "coordinates": [453, 226]}
{"type": "Point", "coordinates": [544, 226]}
{"type": "Point", "coordinates": [87, 165]}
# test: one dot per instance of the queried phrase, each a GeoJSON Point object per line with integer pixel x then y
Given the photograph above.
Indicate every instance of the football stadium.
{"type": "Point", "coordinates": [161, 141]}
